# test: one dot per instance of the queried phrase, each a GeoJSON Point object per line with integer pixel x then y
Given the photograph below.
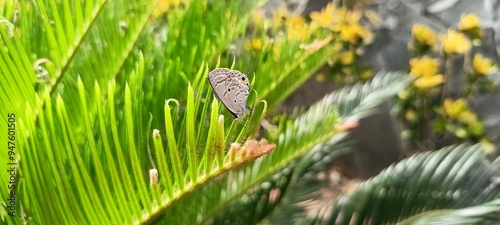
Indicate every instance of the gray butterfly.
{"type": "Point", "coordinates": [231, 88]}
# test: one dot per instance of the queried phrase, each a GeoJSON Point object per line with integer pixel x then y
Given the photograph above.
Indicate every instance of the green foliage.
{"type": "Point", "coordinates": [109, 95]}
{"type": "Point", "coordinates": [481, 214]}
{"type": "Point", "coordinates": [99, 76]}
{"type": "Point", "coordinates": [423, 183]}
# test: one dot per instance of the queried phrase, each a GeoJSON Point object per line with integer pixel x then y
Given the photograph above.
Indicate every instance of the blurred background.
{"type": "Point", "coordinates": [396, 130]}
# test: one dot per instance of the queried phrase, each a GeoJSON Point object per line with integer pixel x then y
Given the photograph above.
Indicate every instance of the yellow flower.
{"type": "Point", "coordinates": [353, 33]}
{"type": "Point", "coordinates": [347, 58]}
{"type": "Point", "coordinates": [470, 25]}
{"type": "Point", "coordinates": [342, 15]}
{"type": "Point", "coordinates": [164, 5]}
{"type": "Point", "coordinates": [297, 28]}
{"type": "Point", "coordinates": [455, 42]}
{"type": "Point", "coordinates": [482, 65]}
{"type": "Point", "coordinates": [350, 16]}
{"type": "Point", "coordinates": [278, 14]}
{"type": "Point", "coordinates": [254, 44]}
{"type": "Point", "coordinates": [453, 109]}
{"type": "Point", "coordinates": [428, 81]}
{"type": "Point", "coordinates": [423, 34]}
{"type": "Point", "coordinates": [469, 22]}
{"type": "Point", "coordinates": [299, 33]}
{"type": "Point", "coordinates": [325, 17]}
{"type": "Point", "coordinates": [295, 21]}
{"type": "Point", "coordinates": [425, 66]}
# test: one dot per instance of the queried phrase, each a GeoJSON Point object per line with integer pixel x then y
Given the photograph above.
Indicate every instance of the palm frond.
{"type": "Point", "coordinates": [453, 177]}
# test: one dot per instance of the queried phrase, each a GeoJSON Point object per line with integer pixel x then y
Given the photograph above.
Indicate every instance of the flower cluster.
{"type": "Point", "coordinates": [343, 22]}
{"type": "Point", "coordinates": [458, 119]}
{"type": "Point", "coordinates": [431, 66]}
{"type": "Point", "coordinates": [333, 29]}
{"type": "Point", "coordinates": [283, 27]}
{"type": "Point", "coordinates": [345, 26]}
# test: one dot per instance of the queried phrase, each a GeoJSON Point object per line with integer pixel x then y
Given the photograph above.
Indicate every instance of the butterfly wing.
{"type": "Point", "coordinates": [239, 95]}
{"type": "Point", "coordinates": [231, 88]}
{"type": "Point", "coordinates": [219, 80]}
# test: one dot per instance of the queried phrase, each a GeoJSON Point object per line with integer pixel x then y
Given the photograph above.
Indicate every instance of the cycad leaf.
{"type": "Point", "coordinates": [487, 213]}
{"type": "Point", "coordinates": [298, 137]}
{"type": "Point", "coordinates": [452, 177]}
{"type": "Point", "coordinates": [75, 45]}
{"type": "Point", "coordinates": [350, 101]}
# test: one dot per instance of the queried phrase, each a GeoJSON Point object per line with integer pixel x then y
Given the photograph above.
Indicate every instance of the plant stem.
{"type": "Point", "coordinates": [448, 74]}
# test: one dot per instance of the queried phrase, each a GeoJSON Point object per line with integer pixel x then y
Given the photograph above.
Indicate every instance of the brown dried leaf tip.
{"type": "Point", "coordinates": [346, 126]}
{"type": "Point", "coordinates": [254, 149]}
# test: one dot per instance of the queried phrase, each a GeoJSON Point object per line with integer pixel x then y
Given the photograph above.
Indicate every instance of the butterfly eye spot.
{"type": "Point", "coordinates": [229, 90]}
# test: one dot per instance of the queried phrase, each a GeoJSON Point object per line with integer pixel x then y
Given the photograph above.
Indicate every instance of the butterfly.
{"type": "Point", "coordinates": [231, 88]}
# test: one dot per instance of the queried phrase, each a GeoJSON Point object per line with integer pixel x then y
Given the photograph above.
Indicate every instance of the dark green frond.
{"type": "Point", "coordinates": [453, 177]}
{"type": "Point", "coordinates": [487, 213]}
{"type": "Point", "coordinates": [360, 100]}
